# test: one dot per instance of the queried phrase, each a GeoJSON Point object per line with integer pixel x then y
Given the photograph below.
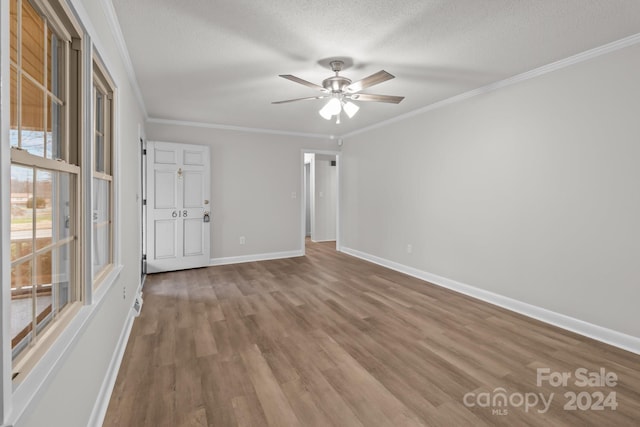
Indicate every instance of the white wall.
{"type": "Point", "coordinates": [529, 191]}
{"type": "Point", "coordinates": [325, 193]}
{"type": "Point", "coordinates": [253, 177]}
{"type": "Point", "coordinates": [69, 396]}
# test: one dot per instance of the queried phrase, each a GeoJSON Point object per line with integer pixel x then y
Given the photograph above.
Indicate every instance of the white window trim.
{"type": "Point", "coordinates": [5, 215]}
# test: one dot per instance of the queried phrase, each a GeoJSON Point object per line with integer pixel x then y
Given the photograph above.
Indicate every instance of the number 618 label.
{"type": "Point", "coordinates": [181, 214]}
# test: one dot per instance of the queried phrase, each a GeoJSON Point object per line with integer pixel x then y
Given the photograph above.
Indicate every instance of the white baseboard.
{"type": "Point", "coordinates": [104, 395]}
{"type": "Point", "coordinates": [255, 257]}
{"type": "Point", "coordinates": [608, 336]}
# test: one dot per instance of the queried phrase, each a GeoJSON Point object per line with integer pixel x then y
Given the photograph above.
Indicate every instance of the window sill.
{"type": "Point", "coordinates": [37, 379]}
{"type": "Point", "coordinates": [106, 282]}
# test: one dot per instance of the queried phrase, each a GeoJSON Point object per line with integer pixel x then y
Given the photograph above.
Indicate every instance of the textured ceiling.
{"type": "Point", "coordinates": [218, 61]}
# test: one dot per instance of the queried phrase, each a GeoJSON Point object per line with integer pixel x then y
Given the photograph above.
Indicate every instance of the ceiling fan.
{"type": "Point", "coordinates": [342, 91]}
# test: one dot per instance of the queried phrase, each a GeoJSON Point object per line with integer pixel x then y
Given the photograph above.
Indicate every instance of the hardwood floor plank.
{"type": "Point", "coordinates": [134, 379]}
{"type": "Point", "coordinates": [218, 390]}
{"type": "Point", "coordinates": [205, 342]}
{"type": "Point", "coordinates": [274, 403]}
{"type": "Point", "coordinates": [161, 410]}
{"type": "Point", "coordinates": [329, 400]}
{"type": "Point", "coordinates": [188, 395]}
{"type": "Point", "coordinates": [248, 411]}
{"type": "Point", "coordinates": [330, 340]}
{"type": "Point", "coordinates": [304, 405]}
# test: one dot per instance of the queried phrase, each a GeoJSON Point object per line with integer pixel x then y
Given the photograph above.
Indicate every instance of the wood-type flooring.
{"type": "Point", "coordinates": [331, 340]}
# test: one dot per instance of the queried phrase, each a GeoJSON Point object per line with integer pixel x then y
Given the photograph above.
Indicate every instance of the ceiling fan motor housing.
{"type": "Point", "coordinates": [336, 84]}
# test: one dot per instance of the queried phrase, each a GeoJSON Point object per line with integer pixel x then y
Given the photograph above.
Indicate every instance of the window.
{"type": "Point", "coordinates": [45, 175]}
{"type": "Point", "coordinates": [102, 203]}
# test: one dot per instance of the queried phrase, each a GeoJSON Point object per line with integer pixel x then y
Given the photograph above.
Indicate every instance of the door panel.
{"type": "Point", "coordinates": [165, 231]}
{"type": "Point", "coordinates": [178, 190]}
{"type": "Point", "coordinates": [193, 228]}
{"type": "Point", "coordinates": [165, 190]}
{"type": "Point", "coordinates": [193, 158]}
{"type": "Point", "coordinates": [193, 189]}
{"type": "Point", "coordinates": [167, 157]}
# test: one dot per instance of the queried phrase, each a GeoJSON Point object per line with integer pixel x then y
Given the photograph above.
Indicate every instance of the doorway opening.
{"type": "Point", "coordinates": [321, 186]}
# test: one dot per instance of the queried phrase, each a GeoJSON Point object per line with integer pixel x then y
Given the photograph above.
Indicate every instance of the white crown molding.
{"type": "Point", "coordinates": [599, 333]}
{"type": "Point", "coordinates": [236, 128]}
{"type": "Point", "coordinates": [536, 72]}
{"type": "Point", "coordinates": [116, 30]}
{"type": "Point", "coordinates": [255, 257]}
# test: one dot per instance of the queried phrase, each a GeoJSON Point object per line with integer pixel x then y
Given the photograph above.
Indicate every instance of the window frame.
{"type": "Point", "coordinates": [103, 83]}
{"type": "Point", "coordinates": [24, 360]}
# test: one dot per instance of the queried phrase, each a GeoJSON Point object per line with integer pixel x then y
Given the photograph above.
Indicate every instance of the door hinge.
{"type": "Point", "coordinates": [144, 257]}
{"type": "Point", "coordinates": [144, 151]}
{"type": "Point", "coordinates": [144, 202]}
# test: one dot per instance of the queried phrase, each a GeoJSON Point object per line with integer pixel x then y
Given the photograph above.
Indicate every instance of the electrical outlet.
{"type": "Point", "coordinates": [409, 248]}
{"type": "Point", "coordinates": [242, 240]}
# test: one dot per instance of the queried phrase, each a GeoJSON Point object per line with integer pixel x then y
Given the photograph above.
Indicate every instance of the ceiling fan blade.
{"type": "Point", "coordinates": [303, 82]}
{"type": "Point", "coordinates": [300, 99]}
{"type": "Point", "coordinates": [373, 79]}
{"type": "Point", "coordinates": [376, 98]}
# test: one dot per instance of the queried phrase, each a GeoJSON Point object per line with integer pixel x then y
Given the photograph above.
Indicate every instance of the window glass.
{"type": "Point", "coordinates": [21, 306]}
{"type": "Point", "coordinates": [42, 292]}
{"type": "Point", "coordinates": [99, 133]}
{"type": "Point", "coordinates": [21, 212]}
{"type": "Point", "coordinates": [55, 57]}
{"type": "Point", "coordinates": [54, 129]}
{"type": "Point", "coordinates": [101, 225]}
{"type": "Point", "coordinates": [13, 128]}
{"type": "Point", "coordinates": [32, 123]}
{"type": "Point", "coordinates": [41, 214]}
{"type": "Point", "coordinates": [44, 183]}
{"type": "Point", "coordinates": [13, 12]}
{"type": "Point", "coordinates": [63, 293]}
{"type": "Point", "coordinates": [32, 42]}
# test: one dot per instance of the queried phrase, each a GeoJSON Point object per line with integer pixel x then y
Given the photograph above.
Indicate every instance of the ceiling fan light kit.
{"type": "Point", "coordinates": [343, 91]}
{"type": "Point", "coordinates": [350, 108]}
{"type": "Point", "coordinates": [331, 108]}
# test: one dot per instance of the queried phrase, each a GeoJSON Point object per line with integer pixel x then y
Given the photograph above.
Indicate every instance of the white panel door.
{"type": "Point", "coordinates": [178, 210]}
